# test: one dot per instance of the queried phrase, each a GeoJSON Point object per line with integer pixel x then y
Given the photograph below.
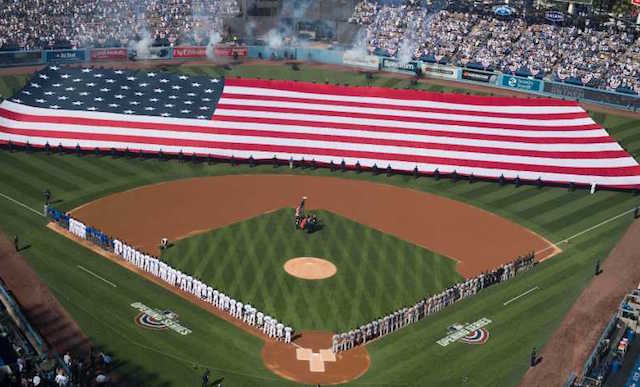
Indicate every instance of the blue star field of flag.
{"type": "Point", "coordinates": [124, 92]}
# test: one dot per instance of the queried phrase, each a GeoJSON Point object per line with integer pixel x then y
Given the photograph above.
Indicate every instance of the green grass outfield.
{"type": "Point", "coordinates": [409, 357]}
{"type": "Point", "coordinates": [377, 272]}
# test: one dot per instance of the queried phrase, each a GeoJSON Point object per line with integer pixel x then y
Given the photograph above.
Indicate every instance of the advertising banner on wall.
{"type": "Point", "coordinates": [108, 54]}
{"type": "Point", "coordinates": [357, 58]}
{"type": "Point", "coordinates": [566, 90]}
{"type": "Point", "coordinates": [190, 52]}
{"type": "Point", "coordinates": [436, 70]}
{"type": "Point", "coordinates": [231, 50]}
{"type": "Point", "coordinates": [20, 58]}
{"type": "Point", "coordinates": [521, 83]}
{"type": "Point", "coordinates": [65, 56]}
{"type": "Point", "coordinates": [479, 75]}
{"type": "Point", "coordinates": [394, 65]}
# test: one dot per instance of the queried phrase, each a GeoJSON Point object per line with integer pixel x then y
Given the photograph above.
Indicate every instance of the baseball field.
{"type": "Point", "coordinates": [379, 266]}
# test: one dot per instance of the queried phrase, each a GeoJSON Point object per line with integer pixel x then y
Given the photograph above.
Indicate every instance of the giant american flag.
{"type": "Point", "coordinates": [540, 138]}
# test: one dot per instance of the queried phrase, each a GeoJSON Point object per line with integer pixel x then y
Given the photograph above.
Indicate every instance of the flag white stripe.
{"type": "Point", "coordinates": [398, 165]}
{"type": "Point", "coordinates": [293, 129]}
{"type": "Point", "coordinates": [220, 113]}
{"type": "Point", "coordinates": [517, 109]}
{"type": "Point", "coordinates": [406, 113]}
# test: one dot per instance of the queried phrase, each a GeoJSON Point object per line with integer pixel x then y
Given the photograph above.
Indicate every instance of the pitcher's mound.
{"type": "Point", "coordinates": [310, 360]}
{"type": "Point", "coordinates": [310, 268]}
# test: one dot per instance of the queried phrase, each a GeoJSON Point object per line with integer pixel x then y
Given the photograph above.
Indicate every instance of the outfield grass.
{"type": "Point", "coordinates": [376, 271]}
{"type": "Point", "coordinates": [409, 357]}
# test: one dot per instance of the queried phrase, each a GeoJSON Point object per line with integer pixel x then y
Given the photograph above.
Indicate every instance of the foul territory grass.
{"type": "Point", "coordinates": [376, 271]}
{"type": "Point", "coordinates": [409, 357]}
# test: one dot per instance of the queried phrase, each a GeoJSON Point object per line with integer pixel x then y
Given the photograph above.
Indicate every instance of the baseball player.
{"type": "Point", "coordinates": [287, 334]}
{"type": "Point", "coordinates": [209, 294]}
{"type": "Point", "coordinates": [351, 339]}
{"type": "Point", "coordinates": [260, 319]}
{"type": "Point", "coordinates": [334, 343]}
{"type": "Point", "coordinates": [232, 307]}
{"type": "Point", "coordinates": [265, 327]}
{"type": "Point", "coordinates": [216, 298]}
{"type": "Point", "coordinates": [245, 317]}
{"type": "Point", "coordinates": [239, 309]}
{"type": "Point", "coordinates": [280, 331]}
{"type": "Point", "coordinates": [252, 316]}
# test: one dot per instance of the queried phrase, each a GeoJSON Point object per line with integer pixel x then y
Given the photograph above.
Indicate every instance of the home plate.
{"type": "Point", "coordinates": [316, 359]}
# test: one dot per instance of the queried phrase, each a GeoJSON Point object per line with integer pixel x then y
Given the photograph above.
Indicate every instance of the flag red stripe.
{"type": "Point", "coordinates": [618, 171]}
{"type": "Point", "coordinates": [370, 141]}
{"type": "Point", "coordinates": [271, 109]}
{"type": "Point", "coordinates": [365, 91]}
{"type": "Point", "coordinates": [539, 116]}
{"type": "Point", "coordinates": [202, 129]}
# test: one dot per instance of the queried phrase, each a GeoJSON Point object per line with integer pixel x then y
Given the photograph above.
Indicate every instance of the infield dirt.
{"type": "Point", "coordinates": [476, 239]}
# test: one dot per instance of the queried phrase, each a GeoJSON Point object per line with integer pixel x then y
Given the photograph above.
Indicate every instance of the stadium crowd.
{"type": "Point", "coordinates": [39, 24]}
{"type": "Point", "coordinates": [603, 55]}
{"type": "Point", "coordinates": [427, 306]}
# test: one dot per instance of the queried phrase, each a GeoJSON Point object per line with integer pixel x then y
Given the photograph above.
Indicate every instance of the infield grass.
{"type": "Point", "coordinates": [376, 271]}
{"type": "Point", "coordinates": [409, 357]}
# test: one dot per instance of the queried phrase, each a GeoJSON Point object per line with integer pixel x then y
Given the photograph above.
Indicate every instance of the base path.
{"type": "Point", "coordinates": [311, 360]}
{"type": "Point", "coordinates": [475, 238]}
{"type": "Point", "coordinates": [571, 344]}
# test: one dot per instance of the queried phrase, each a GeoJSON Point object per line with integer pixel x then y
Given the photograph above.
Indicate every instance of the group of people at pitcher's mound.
{"type": "Point", "coordinates": [308, 223]}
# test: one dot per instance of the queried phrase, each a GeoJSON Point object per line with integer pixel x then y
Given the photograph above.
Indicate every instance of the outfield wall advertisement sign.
{"type": "Point", "coordinates": [60, 56]}
{"type": "Point", "coordinates": [577, 92]}
{"type": "Point", "coordinates": [231, 51]}
{"type": "Point", "coordinates": [108, 54]}
{"type": "Point", "coordinates": [436, 70]}
{"type": "Point", "coordinates": [397, 66]}
{"type": "Point", "coordinates": [357, 58]}
{"type": "Point", "coordinates": [521, 83]}
{"type": "Point", "coordinates": [20, 58]}
{"type": "Point", "coordinates": [190, 52]}
{"type": "Point", "coordinates": [479, 75]}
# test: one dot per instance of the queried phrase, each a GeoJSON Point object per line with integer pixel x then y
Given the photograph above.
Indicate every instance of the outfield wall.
{"type": "Point", "coordinates": [337, 57]}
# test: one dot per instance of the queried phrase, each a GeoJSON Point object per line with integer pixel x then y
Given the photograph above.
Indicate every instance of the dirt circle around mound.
{"type": "Point", "coordinates": [309, 360]}
{"type": "Point", "coordinates": [310, 268]}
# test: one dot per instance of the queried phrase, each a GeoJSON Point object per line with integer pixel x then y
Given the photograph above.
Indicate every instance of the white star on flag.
{"type": "Point", "coordinates": [124, 87]}
{"type": "Point", "coordinates": [69, 88]}
{"type": "Point", "coordinates": [54, 68]}
{"type": "Point", "coordinates": [35, 85]}
{"type": "Point", "coordinates": [204, 108]}
{"type": "Point", "coordinates": [158, 90]}
{"type": "Point", "coordinates": [183, 77]}
{"type": "Point", "coordinates": [153, 99]}
{"type": "Point", "coordinates": [92, 108]}
{"type": "Point", "coordinates": [131, 78]}
{"type": "Point", "coordinates": [191, 94]}
{"type": "Point", "coordinates": [195, 84]}
{"type": "Point", "coordinates": [63, 98]}
{"type": "Point", "coordinates": [77, 103]}
{"type": "Point", "coordinates": [49, 93]}
{"type": "Point", "coordinates": [165, 114]}
{"type": "Point", "coordinates": [185, 111]}
{"type": "Point", "coordinates": [149, 108]}
{"type": "Point", "coordinates": [43, 76]}
{"type": "Point", "coordinates": [201, 117]}
{"type": "Point", "coordinates": [85, 70]}
{"type": "Point", "coordinates": [40, 100]}
{"type": "Point", "coordinates": [139, 94]}
{"type": "Point", "coordinates": [27, 92]}
{"type": "Point", "coordinates": [215, 80]}
{"type": "Point", "coordinates": [84, 93]}
{"type": "Point", "coordinates": [151, 75]}
{"type": "Point", "coordinates": [134, 103]}
{"type": "Point", "coordinates": [164, 80]}
{"type": "Point", "coordinates": [54, 107]}
{"type": "Point", "coordinates": [98, 99]}
{"type": "Point", "coordinates": [169, 105]}
{"type": "Point", "coordinates": [209, 91]}
{"type": "Point", "coordinates": [65, 76]}
{"type": "Point", "coordinates": [98, 75]}
{"type": "Point", "coordinates": [77, 80]}
{"type": "Point", "coordinates": [187, 102]}
{"type": "Point", "coordinates": [128, 112]}
{"type": "Point", "coordinates": [109, 80]}
{"type": "Point", "coordinates": [119, 96]}
{"type": "Point", "coordinates": [118, 72]}
{"type": "Point", "coordinates": [113, 105]}
{"type": "Point", "coordinates": [176, 87]}
{"type": "Point", "coordinates": [104, 90]}
{"type": "Point", "coordinates": [172, 97]}
{"type": "Point", "coordinates": [56, 85]}
{"type": "Point", "coordinates": [90, 84]}
{"type": "Point", "coordinates": [143, 84]}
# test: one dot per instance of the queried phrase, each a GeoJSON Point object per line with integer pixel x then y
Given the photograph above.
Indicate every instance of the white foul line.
{"type": "Point", "coordinates": [95, 275]}
{"type": "Point", "coordinates": [522, 295]}
{"type": "Point", "coordinates": [586, 230]}
{"type": "Point", "coordinates": [21, 204]}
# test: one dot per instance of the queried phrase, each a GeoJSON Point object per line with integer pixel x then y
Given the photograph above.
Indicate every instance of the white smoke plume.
{"type": "Point", "coordinates": [214, 39]}
{"type": "Point", "coordinates": [142, 46]}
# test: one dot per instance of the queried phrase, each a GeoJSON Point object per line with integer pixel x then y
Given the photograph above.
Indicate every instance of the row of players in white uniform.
{"type": "Point", "coordinates": [244, 312]}
{"type": "Point", "coordinates": [425, 307]}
